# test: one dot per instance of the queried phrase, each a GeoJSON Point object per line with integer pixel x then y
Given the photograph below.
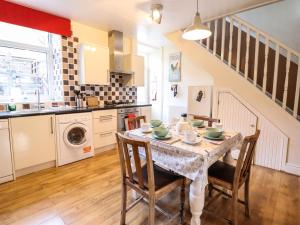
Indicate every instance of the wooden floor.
{"type": "Point", "coordinates": [88, 192]}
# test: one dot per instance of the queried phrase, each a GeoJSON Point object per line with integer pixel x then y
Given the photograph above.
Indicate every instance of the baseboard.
{"type": "Point", "coordinates": [36, 168]}
{"type": "Point", "coordinates": [292, 168]}
{"type": "Point", "coordinates": [106, 148]}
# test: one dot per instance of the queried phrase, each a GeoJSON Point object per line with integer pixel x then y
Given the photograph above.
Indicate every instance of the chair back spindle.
{"type": "Point", "coordinates": [134, 122]}
{"type": "Point", "coordinates": [245, 158]}
{"type": "Point", "coordinates": [126, 144]}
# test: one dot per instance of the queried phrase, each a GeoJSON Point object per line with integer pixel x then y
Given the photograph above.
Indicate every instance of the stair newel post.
{"type": "Point", "coordinates": [286, 82]}
{"type": "Point", "coordinates": [208, 39]}
{"type": "Point", "coordinates": [267, 42]}
{"type": "Point", "coordinates": [215, 37]}
{"type": "Point", "coordinates": [238, 47]}
{"type": "Point", "coordinates": [275, 72]}
{"type": "Point", "coordinates": [230, 41]}
{"type": "Point", "coordinates": [256, 58]}
{"type": "Point", "coordinates": [223, 37]}
{"type": "Point", "coordinates": [296, 103]}
{"type": "Point", "coordinates": [247, 53]}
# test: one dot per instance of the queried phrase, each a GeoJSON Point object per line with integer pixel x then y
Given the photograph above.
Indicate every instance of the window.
{"type": "Point", "coordinates": [26, 64]}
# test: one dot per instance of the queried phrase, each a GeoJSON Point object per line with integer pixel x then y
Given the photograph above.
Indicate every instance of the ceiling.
{"type": "Point", "coordinates": [132, 16]}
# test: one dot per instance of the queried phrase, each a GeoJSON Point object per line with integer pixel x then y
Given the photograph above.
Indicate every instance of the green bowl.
{"type": "Point", "coordinates": [155, 123]}
{"type": "Point", "coordinates": [197, 123]}
{"type": "Point", "coordinates": [214, 132]}
{"type": "Point", "coordinates": [160, 131]}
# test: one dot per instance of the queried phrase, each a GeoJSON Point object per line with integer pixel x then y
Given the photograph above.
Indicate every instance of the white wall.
{"type": "Point", "coordinates": [191, 75]}
{"type": "Point", "coordinates": [281, 20]}
{"type": "Point", "coordinates": [226, 77]}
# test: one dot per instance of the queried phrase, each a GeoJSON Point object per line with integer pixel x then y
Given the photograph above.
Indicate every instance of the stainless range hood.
{"type": "Point", "coordinates": [116, 54]}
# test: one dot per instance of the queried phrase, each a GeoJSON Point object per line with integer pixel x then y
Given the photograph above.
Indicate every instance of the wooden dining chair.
{"type": "Point", "coordinates": [231, 178]}
{"type": "Point", "coordinates": [149, 181]}
{"type": "Point", "coordinates": [209, 120]}
{"type": "Point", "coordinates": [134, 122]}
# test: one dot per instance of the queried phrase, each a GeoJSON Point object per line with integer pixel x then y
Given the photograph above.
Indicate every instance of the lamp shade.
{"type": "Point", "coordinates": [197, 30]}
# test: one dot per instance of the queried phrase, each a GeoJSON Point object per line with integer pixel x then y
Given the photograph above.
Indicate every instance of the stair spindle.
{"type": "Point", "coordinates": [256, 57]}
{"type": "Point", "coordinates": [230, 41]}
{"type": "Point", "coordinates": [296, 103]}
{"type": "Point", "coordinates": [223, 38]}
{"type": "Point", "coordinates": [247, 53]}
{"type": "Point", "coordinates": [275, 73]}
{"type": "Point", "coordinates": [286, 82]}
{"type": "Point", "coordinates": [208, 39]}
{"type": "Point", "coordinates": [266, 64]}
{"type": "Point", "coordinates": [215, 37]}
{"type": "Point", "coordinates": [238, 47]}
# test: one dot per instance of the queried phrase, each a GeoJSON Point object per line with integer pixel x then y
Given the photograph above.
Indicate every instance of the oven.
{"type": "Point", "coordinates": [123, 113]}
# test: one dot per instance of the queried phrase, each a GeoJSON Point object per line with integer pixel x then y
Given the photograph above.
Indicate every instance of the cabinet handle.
{"type": "Point", "coordinates": [105, 118]}
{"type": "Point", "coordinates": [51, 122]}
{"type": "Point", "coordinates": [106, 133]}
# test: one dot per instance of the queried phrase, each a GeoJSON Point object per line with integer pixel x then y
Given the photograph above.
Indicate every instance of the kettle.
{"type": "Point", "coordinates": [182, 125]}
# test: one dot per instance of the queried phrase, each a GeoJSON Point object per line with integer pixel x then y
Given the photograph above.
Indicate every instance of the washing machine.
{"type": "Point", "coordinates": [74, 137]}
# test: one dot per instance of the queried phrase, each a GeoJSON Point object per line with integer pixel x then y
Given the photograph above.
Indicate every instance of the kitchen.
{"type": "Point", "coordinates": [75, 87]}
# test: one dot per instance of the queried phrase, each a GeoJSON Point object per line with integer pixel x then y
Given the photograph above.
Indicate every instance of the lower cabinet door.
{"type": "Point", "coordinates": [33, 140]}
{"type": "Point", "coordinates": [104, 139]}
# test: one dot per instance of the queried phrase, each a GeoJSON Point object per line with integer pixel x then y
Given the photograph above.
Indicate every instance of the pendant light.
{"type": "Point", "coordinates": [197, 30]}
{"type": "Point", "coordinates": [156, 13]}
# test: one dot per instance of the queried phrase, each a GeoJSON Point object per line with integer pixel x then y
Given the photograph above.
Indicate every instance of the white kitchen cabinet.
{"type": "Point", "coordinates": [33, 140]}
{"type": "Point", "coordinates": [135, 64]}
{"type": "Point", "coordinates": [146, 111]}
{"type": "Point", "coordinates": [104, 127]}
{"type": "Point", "coordinates": [94, 64]}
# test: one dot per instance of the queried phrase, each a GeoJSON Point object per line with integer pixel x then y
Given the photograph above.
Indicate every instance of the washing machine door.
{"type": "Point", "coordinates": [76, 135]}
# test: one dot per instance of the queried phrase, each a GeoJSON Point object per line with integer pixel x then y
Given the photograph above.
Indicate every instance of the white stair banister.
{"type": "Point", "coordinates": [238, 57]}
{"type": "Point", "coordinates": [223, 38]}
{"type": "Point", "coordinates": [296, 102]}
{"type": "Point", "coordinates": [266, 64]}
{"type": "Point", "coordinates": [230, 41]}
{"type": "Point", "coordinates": [286, 82]}
{"type": "Point", "coordinates": [256, 58]}
{"type": "Point", "coordinates": [274, 91]}
{"type": "Point", "coordinates": [247, 53]}
{"type": "Point", "coordinates": [215, 37]}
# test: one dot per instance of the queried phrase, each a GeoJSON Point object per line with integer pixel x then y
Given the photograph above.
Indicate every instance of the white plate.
{"type": "Point", "coordinates": [197, 141]}
{"type": "Point", "coordinates": [146, 131]}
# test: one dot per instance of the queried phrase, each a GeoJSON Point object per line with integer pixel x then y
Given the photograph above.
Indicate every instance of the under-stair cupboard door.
{"type": "Point", "coordinates": [234, 115]}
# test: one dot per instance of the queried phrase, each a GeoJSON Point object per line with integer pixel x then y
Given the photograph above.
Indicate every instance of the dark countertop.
{"type": "Point", "coordinates": [66, 110]}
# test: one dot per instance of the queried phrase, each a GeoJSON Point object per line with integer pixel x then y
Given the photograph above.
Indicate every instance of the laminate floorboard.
{"type": "Point", "coordinates": [89, 193]}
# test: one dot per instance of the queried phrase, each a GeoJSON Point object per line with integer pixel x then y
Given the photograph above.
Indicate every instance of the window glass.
{"type": "Point", "coordinates": [27, 59]}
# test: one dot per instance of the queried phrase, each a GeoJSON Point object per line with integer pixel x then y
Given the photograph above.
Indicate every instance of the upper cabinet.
{"type": "Point", "coordinates": [94, 64]}
{"type": "Point", "coordinates": [135, 64]}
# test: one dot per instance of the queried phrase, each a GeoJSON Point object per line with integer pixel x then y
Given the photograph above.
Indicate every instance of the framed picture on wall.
{"type": "Point", "coordinates": [175, 67]}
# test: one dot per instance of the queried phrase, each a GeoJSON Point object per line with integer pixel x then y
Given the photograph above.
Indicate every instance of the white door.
{"type": "Point", "coordinates": [234, 115]}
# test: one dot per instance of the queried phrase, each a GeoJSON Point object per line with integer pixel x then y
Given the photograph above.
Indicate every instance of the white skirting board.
{"type": "Point", "coordinates": [292, 169]}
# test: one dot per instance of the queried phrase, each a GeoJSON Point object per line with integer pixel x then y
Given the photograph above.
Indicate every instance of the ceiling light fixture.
{"type": "Point", "coordinates": [197, 30]}
{"type": "Point", "coordinates": [156, 13]}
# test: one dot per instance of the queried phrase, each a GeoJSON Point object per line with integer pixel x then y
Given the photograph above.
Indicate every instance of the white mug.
{"type": "Point", "coordinates": [190, 136]}
{"type": "Point", "coordinates": [145, 126]}
{"type": "Point", "coordinates": [219, 126]}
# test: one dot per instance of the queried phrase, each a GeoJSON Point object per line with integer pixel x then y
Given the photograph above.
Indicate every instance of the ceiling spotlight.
{"type": "Point", "coordinates": [156, 13]}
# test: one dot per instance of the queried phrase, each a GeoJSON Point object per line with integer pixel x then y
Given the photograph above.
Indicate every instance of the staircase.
{"type": "Point", "coordinates": [264, 61]}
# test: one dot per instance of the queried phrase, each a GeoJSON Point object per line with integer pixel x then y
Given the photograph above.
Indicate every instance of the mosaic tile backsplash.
{"type": "Point", "coordinates": [113, 92]}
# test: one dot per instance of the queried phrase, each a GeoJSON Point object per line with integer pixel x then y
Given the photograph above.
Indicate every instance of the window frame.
{"type": "Point", "coordinates": [50, 64]}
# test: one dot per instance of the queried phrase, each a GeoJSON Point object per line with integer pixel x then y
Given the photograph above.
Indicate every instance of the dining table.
{"type": "Point", "coordinates": [190, 160]}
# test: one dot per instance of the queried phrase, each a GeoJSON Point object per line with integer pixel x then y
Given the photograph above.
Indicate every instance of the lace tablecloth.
{"type": "Point", "coordinates": [191, 161]}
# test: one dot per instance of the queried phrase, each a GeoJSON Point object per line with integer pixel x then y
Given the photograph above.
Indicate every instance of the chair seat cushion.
{"type": "Point", "coordinates": [222, 171]}
{"type": "Point", "coordinates": [162, 177]}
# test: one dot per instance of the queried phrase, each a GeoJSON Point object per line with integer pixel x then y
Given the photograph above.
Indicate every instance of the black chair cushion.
{"type": "Point", "coordinates": [162, 177]}
{"type": "Point", "coordinates": [222, 171]}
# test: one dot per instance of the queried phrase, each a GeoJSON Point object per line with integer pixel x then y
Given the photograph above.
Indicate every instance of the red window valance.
{"type": "Point", "coordinates": [27, 17]}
